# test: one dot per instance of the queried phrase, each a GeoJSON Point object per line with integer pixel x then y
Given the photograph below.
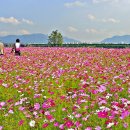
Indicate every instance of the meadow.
{"type": "Point", "coordinates": [65, 89]}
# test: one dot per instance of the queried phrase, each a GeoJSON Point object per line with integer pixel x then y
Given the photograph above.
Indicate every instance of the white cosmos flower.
{"type": "Point", "coordinates": [110, 125]}
{"type": "Point", "coordinates": [42, 90]}
{"type": "Point", "coordinates": [1, 70]}
{"type": "Point", "coordinates": [11, 111]}
{"type": "Point", "coordinates": [70, 116]}
{"type": "Point", "coordinates": [32, 123]}
{"type": "Point", "coordinates": [5, 85]}
{"type": "Point", "coordinates": [44, 97]}
{"type": "Point", "coordinates": [45, 120]}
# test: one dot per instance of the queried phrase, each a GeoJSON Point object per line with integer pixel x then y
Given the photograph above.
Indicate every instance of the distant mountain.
{"type": "Point", "coordinates": [31, 38]}
{"type": "Point", "coordinates": [66, 39]}
{"type": "Point", "coordinates": [117, 39]}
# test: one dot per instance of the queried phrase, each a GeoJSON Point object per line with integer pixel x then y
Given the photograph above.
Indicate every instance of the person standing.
{"type": "Point", "coordinates": [16, 47]}
{"type": "Point", "coordinates": [1, 48]}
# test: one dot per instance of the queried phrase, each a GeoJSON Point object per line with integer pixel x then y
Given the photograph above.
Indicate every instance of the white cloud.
{"type": "Point", "coordinates": [72, 29]}
{"type": "Point", "coordinates": [75, 4]}
{"type": "Point", "coordinates": [113, 4]}
{"type": "Point", "coordinates": [91, 30]}
{"type": "Point", "coordinates": [103, 1]}
{"type": "Point", "coordinates": [3, 33]}
{"type": "Point", "coordinates": [11, 20]}
{"type": "Point", "coordinates": [27, 21]}
{"type": "Point", "coordinates": [105, 20]}
{"type": "Point", "coordinates": [91, 17]}
{"type": "Point", "coordinates": [15, 21]}
{"type": "Point", "coordinates": [24, 31]}
{"type": "Point", "coordinates": [111, 20]}
{"type": "Point", "coordinates": [20, 32]}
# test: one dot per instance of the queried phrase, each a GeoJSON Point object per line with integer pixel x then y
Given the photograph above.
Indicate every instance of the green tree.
{"type": "Point", "coordinates": [55, 38]}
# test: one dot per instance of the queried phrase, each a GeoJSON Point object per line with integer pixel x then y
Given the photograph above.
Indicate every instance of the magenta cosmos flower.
{"type": "Point", "coordinates": [102, 114]}
{"type": "Point", "coordinates": [48, 104]}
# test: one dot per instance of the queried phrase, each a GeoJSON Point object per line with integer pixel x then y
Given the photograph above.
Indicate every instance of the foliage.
{"type": "Point", "coordinates": [55, 38]}
{"type": "Point", "coordinates": [86, 45]}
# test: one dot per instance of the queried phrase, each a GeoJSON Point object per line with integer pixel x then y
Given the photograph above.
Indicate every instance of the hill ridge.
{"type": "Point", "coordinates": [117, 39]}
{"type": "Point", "coordinates": [31, 38]}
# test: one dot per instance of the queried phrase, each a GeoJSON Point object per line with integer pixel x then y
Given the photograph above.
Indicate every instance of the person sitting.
{"type": "Point", "coordinates": [16, 47]}
{"type": "Point", "coordinates": [1, 48]}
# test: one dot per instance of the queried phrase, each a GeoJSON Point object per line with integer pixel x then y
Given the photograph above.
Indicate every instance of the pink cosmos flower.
{"type": "Point", "coordinates": [51, 93]}
{"type": "Point", "coordinates": [78, 124]}
{"type": "Point", "coordinates": [125, 114]}
{"type": "Point", "coordinates": [21, 108]}
{"type": "Point", "coordinates": [128, 90]}
{"type": "Point", "coordinates": [1, 81]}
{"type": "Point", "coordinates": [36, 106]}
{"type": "Point", "coordinates": [102, 114]}
{"type": "Point", "coordinates": [11, 111]}
{"type": "Point", "coordinates": [98, 128]}
{"type": "Point", "coordinates": [21, 122]}
{"type": "Point", "coordinates": [69, 124]}
{"type": "Point", "coordinates": [103, 101]}
{"type": "Point", "coordinates": [125, 125]}
{"type": "Point", "coordinates": [78, 115]}
{"type": "Point", "coordinates": [88, 128]}
{"type": "Point", "coordinates": [62, 97]}
{"type": "Point", "coordinates": [94, 91]}
{"type": "Point", "coordinates": [56, 124]}
{"type": "Point", "coordinates": [37, 95]}
{"type": "Point", "coordinates": [45, 125]}
{"type": "Point", "coordinates": [102, 88]}
{"type": "Point", "coordinates": [61, 126]}
{"type": "Point", "coordinates": [2, 104]}
{"type": "Point", "coordinates": [42, 111]}
{"type": "Point", "coordinates": [1, 127]}
{"type": "Point", "coordinates": [35, 113]}
{"type": "Point", "coordinates": [48, 104]}
{"type": "Point", "coordinates": [45, 105]}
{"type": "Point", "coordinates": [64, 109]}
{"type": "Point", "coordinates": [16, 86]}
{"type": "Point", "coordinates": [47, 113]}
{"type": "Point", "coordinates": [49, 117]}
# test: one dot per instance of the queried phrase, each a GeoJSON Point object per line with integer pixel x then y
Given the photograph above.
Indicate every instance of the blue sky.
{"type": "Point", "coordinates": [84, 20]}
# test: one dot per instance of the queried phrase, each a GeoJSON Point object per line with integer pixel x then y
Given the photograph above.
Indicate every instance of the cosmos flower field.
{"type": "Point", "coordinates": [65, 89]}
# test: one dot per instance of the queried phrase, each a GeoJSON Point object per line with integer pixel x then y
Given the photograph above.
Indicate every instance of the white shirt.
{"type": "Point", "coordinates": [17, 45]}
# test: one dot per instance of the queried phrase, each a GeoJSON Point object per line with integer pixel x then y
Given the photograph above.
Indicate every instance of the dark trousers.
{"type": "Point", "coordinates": [17, 53]}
